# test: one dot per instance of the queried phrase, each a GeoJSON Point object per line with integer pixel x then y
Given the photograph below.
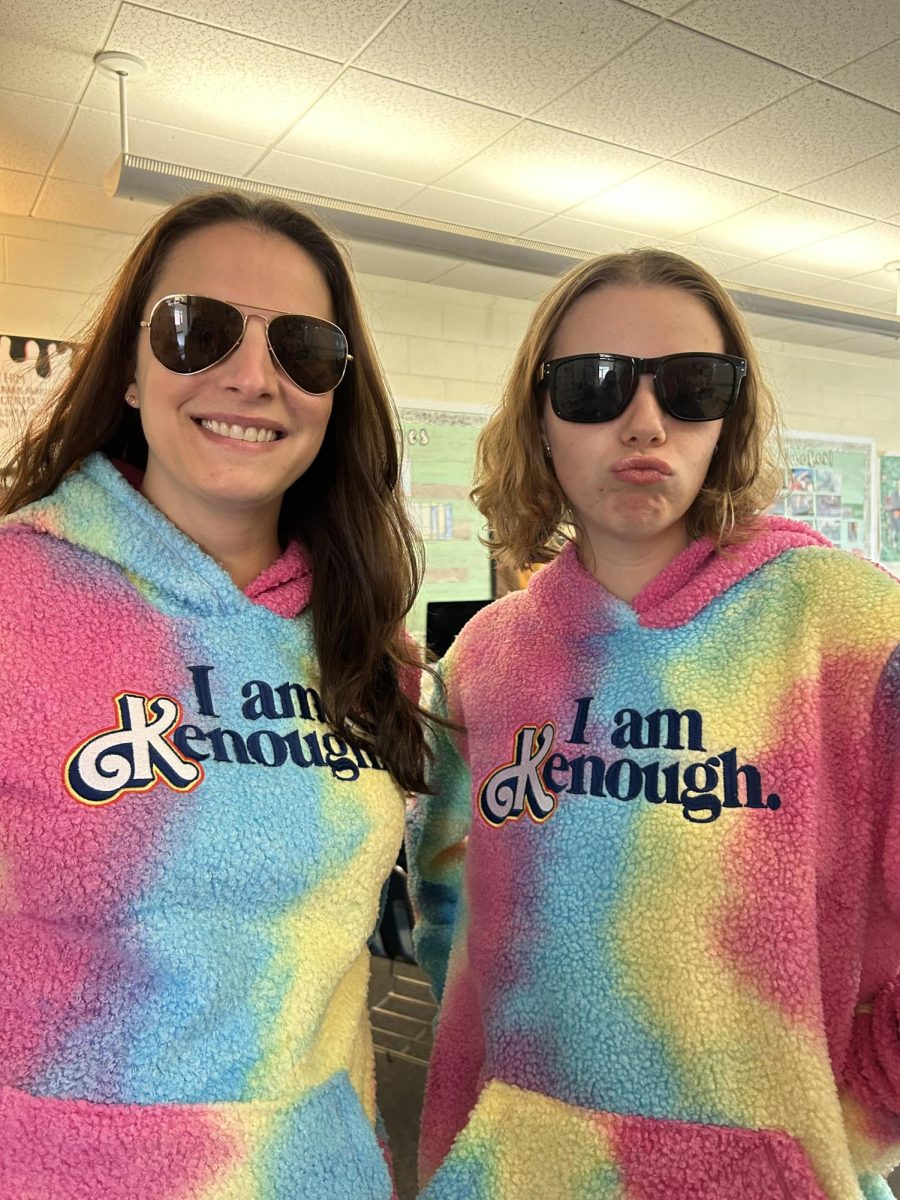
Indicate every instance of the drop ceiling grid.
{"type": "Point", "coordinates": [201, 51]}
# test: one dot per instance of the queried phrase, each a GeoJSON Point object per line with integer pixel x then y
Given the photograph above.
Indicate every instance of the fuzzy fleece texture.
{"type": "Point", "coordinates": [190, 866]}
{"type": "Point", "coordinates": [658, 885]}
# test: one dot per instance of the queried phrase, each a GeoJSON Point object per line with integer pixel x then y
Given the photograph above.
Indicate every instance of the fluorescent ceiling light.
{"type": "Point", "coordinates": [134, 177]}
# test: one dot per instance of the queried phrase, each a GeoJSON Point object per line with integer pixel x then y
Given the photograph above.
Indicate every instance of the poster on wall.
{"type": "Point", "coordinates": [438, 461]}
{"type": "Point", "coordinates": [29, 369]}
{"type": "Point", "coordinates": [889, 511]}
{"type": "Point", "coordinates": [830, 488]}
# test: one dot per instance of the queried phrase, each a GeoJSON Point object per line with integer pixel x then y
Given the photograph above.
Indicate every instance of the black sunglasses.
{"type": "Point", "coordinates": [589, 388]}
{"type": "Point", "coordinates": [189, 334]}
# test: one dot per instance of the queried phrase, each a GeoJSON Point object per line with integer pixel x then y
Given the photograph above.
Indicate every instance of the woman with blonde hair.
{"type": "Point", "coordinates": [204, 570]}
{"type": "Point", "coordinates": [657, 878]}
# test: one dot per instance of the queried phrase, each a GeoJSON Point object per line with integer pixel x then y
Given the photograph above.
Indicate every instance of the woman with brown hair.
{"type": "Point", "coordinates": [657, 874]}
{"type": "Point", "coordinates": [204, 569]}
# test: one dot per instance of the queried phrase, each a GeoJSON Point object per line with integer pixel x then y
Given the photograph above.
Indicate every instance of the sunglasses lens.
{"type": "Point", "coordinates": [698, 388]}
{"type": "Point", "coordinates": [312, 353]}
{"type": "Point", "coordinates": [591, 389]}
{"type": "Point", "coordinates": [191, 333]}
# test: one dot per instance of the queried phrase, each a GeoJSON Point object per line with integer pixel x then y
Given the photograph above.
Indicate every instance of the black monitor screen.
{"type": "Point", "coordinates": [444, 619]}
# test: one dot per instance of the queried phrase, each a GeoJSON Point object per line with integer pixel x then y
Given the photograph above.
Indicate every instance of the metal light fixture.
{"type": "Point", "coordinates": [135, 177]}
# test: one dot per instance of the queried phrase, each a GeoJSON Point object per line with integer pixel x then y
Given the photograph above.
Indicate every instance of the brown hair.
{"type": "Point", "coordinates": [346, 508]}
{"type": "Point", "coordinates": [515, 487]}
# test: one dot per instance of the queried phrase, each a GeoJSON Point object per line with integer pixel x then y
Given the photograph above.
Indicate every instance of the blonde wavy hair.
{"type": "Point", "coordinates": [515, 485]}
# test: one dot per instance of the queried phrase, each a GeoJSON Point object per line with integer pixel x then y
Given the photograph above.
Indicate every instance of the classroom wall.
{"type": "Point", "coordinates": [439, 344]}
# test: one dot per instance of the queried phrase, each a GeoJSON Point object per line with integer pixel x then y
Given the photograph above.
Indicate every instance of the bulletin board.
{"type": "Point", "coordinates": [439, 458]}
{"type": "Point", "coordinates": [889, 510]}
{"type": "Point", "coordinates": [831, 487]}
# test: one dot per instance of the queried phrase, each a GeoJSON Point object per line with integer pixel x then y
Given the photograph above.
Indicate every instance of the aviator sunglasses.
{"type": "Point", "coordinates": [189, 334]}
{"type": "Point", "coordinates": [590, 388]}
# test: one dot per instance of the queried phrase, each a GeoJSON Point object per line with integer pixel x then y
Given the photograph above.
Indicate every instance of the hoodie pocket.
{"type": "Point", "coordinates": [520, 1145]}
{"type": "Point", "coordinates": [321, 1148]}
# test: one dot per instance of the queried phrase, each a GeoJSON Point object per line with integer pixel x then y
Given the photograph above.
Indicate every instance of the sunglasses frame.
{"type": "Point", "coordinates": [641, 366]}
{"type": "Point", "coordinates": [245, 317]}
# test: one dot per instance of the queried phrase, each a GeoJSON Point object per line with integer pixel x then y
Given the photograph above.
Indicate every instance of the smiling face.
{"type": "Point", "coordinates": [631, 481]}
{"type": "Point", "coordinates": [228, 441]}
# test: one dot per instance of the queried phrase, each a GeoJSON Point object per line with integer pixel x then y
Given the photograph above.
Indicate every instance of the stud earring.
{"type": "Point", "coordinates": [547, 451]}
{"type": "Point", "coordinates": [131, 399]}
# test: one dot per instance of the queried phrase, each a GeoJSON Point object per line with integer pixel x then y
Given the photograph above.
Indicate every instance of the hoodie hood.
{"type": "Point", "coordinates": [96, 509]}
{"type": "Point", "coordinates": [692, 580]}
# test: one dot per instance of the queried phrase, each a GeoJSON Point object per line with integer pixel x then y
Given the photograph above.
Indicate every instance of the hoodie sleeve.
{"type": "Point", "coordinates": [872, 1072]}
{"type": "Point", "coordinates": [437, 827]}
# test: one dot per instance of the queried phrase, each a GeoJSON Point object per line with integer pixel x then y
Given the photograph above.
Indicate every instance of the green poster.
{"type": "Point", "coordinates": [439, 456]}
{"type": "Point", "coordinates": [889, 509]}
{"type": "Point", "coordinates": [829, 487]}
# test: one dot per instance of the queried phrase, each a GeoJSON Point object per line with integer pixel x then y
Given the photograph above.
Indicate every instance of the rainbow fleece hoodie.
{"type": "Point", "coordinates": [190, 865]}
{"type": "Point", "coordinates": [664, 865]}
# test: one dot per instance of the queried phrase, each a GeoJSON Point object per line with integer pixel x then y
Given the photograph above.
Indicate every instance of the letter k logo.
{"type": "Point", "coordinates": [134, 756]}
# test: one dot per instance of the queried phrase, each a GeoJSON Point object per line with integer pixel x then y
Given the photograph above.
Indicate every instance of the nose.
{"type": "Point", "coordinates": [250, 369]}
{"type": "Point", "coordinates": [643, 421]}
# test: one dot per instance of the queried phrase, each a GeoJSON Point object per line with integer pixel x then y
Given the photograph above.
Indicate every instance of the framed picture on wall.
{"type": "Point", "coordinates": [831, 487]}
{"type": "Point", "coordinates": [438, 462]}
{"type": "Point", "coordinates": [889, 510]}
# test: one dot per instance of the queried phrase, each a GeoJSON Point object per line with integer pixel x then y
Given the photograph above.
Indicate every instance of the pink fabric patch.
{"type": "Point", "coordinates": [284, 587]}
{"type": "Point", "coordinates": [708, 1161]}
{"type": "Point", "coordinates": [117, 1152]}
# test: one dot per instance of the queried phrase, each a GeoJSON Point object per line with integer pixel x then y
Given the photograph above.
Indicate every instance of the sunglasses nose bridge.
{"type": "Point", "coordinates": [252, 353]}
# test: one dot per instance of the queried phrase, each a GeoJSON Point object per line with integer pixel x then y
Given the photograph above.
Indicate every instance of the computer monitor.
{"type": "Point", "coordinates": [444, 619]}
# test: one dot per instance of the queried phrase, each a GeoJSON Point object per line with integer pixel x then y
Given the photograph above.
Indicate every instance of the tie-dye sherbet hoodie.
{"type": "Point", "coordinates": [664, 863]}
{"type": "Point", "coordinates": [190, 865]}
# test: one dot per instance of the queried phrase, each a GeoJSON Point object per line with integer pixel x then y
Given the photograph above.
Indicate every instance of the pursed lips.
{"type": "Point", "coordinates": [641, 469]}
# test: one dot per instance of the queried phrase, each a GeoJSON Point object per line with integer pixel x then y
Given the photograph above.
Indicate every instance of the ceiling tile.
{"type": "Point", "coordinates": [870, 343]}
{"type": "Point", "coordinates": [68, 268]}
{"type": "Point", "coordinates": [669, 200]}
{"type": "Point", "coordinates": [17, 192]}
{"type": "Point", "coordinates": [886, 280]}
{"type": "Point", "coordinates": [373, 258]}
{"type": "Point", "coordinates": [815, 36]}
{"type": "Point", "coordinates": [43, 53]}
{"type": "Point", "coordinates": [774, 277]}
{"type": "Point", "coordinates": [672, 89]}
{"type": "Point", "coordinates": [473, 211]}
{"type": "Point", "coordinates": [331, 179]}
{"type": "Point", "coordinates": [807, 135]}
{"type": "Point", "coordinates": [762, 325]}
{"type": "Point", "coordinates": [549, 167]}
{"type": "Point", "coordinates": [869, 187]}
{"type": "Point", "coordinates": [30, 130]}
{"type": "Point", "coordinates": [849, 254]}
{"type": "Point", "coordinates": [92, 146]}
{"type": "Point", "coordinates": [208, 80]}
{"type": "Point", "coordinates": [858, 295]}
{"type": "Point", "coordinates": [498, 281]}
{"type": "Point", "coordinates": [720, 263]}
{"type": "Point", "coordinates": [809, 334]}
{"type": "Point", "coordinates": [776, 226]}
{"type": "Point", "coordinates": [876, 77]}
{"type": "Point", "coordinates": [82, 204]}
{"type": "Point", "coordinates": [521, 55]}
{"type": "Point", "coordinates": [330, 30]}
{"type": "Point", "coordinates": [390, 128]}
{"type": "Point", "coordinates": [663, 8]}
{"type": "Point", "coordinates": [584, 235]}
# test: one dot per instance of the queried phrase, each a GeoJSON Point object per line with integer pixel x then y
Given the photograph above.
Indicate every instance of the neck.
{"type": "Point", "coordinates": [625, 568]}
{"type": "Point", "coordinates": [243, 543]}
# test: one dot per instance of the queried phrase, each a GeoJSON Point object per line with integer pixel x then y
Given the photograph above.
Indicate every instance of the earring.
{"type": "Point", "coordinates": [131, 399]}
{"type": "Point", "coordinates": [547, 451]}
